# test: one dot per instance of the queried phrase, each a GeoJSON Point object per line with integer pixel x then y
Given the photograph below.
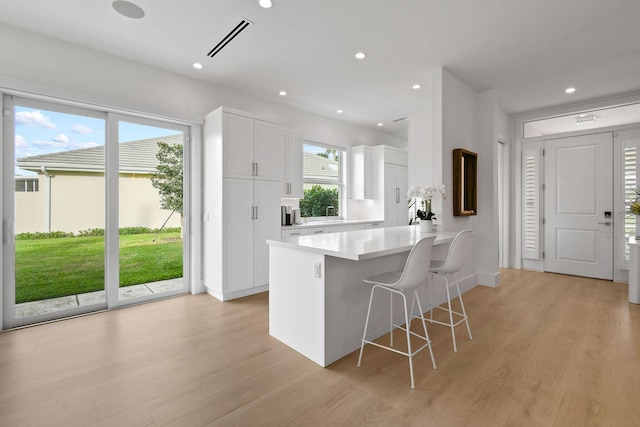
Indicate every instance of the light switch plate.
{"type": "Point", "coordinates": [317, 270]}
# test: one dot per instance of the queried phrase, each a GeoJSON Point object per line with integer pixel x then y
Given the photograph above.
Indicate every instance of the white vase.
{"type": "Point", "coordinates": [426, 226]}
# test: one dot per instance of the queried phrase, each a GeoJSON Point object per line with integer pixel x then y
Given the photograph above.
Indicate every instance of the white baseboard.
{"type": "Point", "coordinates": [489, 279]}
{"type": "Point", "coordinates": [228, 296]}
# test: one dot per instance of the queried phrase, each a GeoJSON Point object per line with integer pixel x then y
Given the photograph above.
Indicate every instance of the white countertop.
{"type": "Point", "coordinates": [363, 244]}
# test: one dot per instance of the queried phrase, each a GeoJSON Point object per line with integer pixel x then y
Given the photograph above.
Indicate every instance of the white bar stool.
{"type": "Point", "coordinates": [414, 275]}
{"type": "Point", "coordinates": [454, 261]}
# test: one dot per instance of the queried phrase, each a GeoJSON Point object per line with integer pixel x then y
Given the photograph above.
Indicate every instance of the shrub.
{"type": "Point", "coordinates": [317, 199]}
{"type": "Point", "coordinates": [92, 232]}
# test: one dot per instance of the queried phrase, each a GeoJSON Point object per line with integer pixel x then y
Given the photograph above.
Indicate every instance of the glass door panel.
{"type": "Point", "coordinates": [150, 211]}
{"type": "Point", "coordinates": [59, 212]}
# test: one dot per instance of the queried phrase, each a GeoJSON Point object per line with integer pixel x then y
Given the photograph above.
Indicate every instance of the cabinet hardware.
{"type": "Point", "coordinates": [256, 212]}
{"type": "Point", "coordinates": [256, 169]}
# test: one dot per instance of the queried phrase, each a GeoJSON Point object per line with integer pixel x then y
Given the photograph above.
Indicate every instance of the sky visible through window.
{"type": "Point", "coordinates": [43, 132]}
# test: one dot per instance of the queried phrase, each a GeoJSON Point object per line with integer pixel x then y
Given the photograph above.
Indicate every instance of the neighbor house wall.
{"type": "Point", "coordinates": [77, 203]}
{"type": "Point", "coordinates": [30, 212]}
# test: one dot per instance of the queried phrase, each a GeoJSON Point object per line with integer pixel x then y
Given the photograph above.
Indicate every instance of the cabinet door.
{"type": "Point", "coordinates": [361, 176]}
{"type": "Point", "coordinates": [295, 171]}
{"type": "Point", "coordinates": [238, 146]}
{"type": "Point", "coordinates": [267, 226]}
{"type": "Point", "coordinates": [268, 152]}
{"type": "Point", "coordinates": [402, 183]}
{"type": "Point", "coordinates": [237, 205]}
{"type": "Point", "coordinates": [395, 195]}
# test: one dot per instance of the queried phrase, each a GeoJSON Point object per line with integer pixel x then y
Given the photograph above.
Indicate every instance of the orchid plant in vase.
{"type": "Point", "coordinates": [424, 196]}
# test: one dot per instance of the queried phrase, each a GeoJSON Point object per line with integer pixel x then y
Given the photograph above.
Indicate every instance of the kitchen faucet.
{"type": "Point", "coordinates": [334, 213]}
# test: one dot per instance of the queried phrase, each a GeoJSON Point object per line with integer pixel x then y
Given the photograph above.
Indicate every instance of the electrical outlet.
{"type": "Point", "coordinates": [317, 269]}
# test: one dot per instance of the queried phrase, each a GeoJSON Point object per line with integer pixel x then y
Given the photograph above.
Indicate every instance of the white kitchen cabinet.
{"type": "Point", "coordinates": [391, 178]}
{"type": "Point", "coordinates": [286, 234]}
{"type": "Point", "coordinates": [241, 204]}
{"type": "Point", "coordinates": [318, 230]}
{"type": "Point", "coordinates": [370, 225]}
{"type": "Point", "coordinates": [249, 221]}
{"type": "Point", "coordinates": [292, 173]}
{"type": "Point", "coordinates": [361, 182]}
{"type": "Point", "coordinates": [250, 148]}
{"type": "Point", "coordinates": [395, 195]}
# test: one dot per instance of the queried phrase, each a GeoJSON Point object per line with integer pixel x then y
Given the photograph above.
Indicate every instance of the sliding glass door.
{"type": "Point", "coordinates": [150, 210]}
{"type": "Point", "coordinates": [92, 210]}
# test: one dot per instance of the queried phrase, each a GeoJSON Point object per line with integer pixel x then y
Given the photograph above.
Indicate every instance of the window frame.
{"type": "Point", "coordinates": [342, 153]}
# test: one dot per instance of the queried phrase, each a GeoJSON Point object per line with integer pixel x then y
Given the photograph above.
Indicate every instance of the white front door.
{"type": "Point", "coordinates": [578, 202]}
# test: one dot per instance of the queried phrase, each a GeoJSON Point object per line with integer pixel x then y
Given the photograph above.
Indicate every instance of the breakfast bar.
{"type": "Point", "coordinates": [317, 300]}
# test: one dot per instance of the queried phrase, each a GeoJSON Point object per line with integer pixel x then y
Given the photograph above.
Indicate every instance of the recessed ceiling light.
{"type": "Point", "coordinates": [265, 3]}
{"type": "Point", "coordinates": [416, 86]}
{"type": "Point", "coordinates": [361, 55]}
{"type": "Point", "coordinates": [380, 124]}
{"type": "Point", "coordinates": [197, 65]}
{"type": "Point", "coordinates": [570, 90]}
{"type": "Point", "coordinates": [282, 93]}
{"type": "Point", "coordinates": [339, 111]}
{"type": "Point", "coordinates": [128, 9]}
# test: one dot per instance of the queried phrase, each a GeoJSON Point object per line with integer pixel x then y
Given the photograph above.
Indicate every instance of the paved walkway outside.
{"type": "Point", "coordinates": [34, 308]}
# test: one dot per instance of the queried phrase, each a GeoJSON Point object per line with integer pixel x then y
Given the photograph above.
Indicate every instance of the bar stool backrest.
{"type": "Point", "coordinates": [416, 269]}
{"type": "Point", "coordinates": [457, 255]}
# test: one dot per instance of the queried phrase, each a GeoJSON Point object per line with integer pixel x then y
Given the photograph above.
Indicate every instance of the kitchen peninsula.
{"type": "Point", "coordinates": [317, 300]}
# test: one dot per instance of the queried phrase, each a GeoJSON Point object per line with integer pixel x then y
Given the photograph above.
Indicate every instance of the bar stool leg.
{"type": "Point", "coordinates": [391, 318]}
{"type": "Point", "coordinates": [464, 312]}
{"type": "Point", "coordinates": [366, 325]}
{"type": "Point", "coordinates": [453, 329]}
{"type": "Point", "coordinates": [424, 326]}
{"type": "Point", "coordinates": [407, 328]}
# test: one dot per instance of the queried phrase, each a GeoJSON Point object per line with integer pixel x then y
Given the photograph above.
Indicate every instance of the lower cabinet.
{"type": "Point", "coordinates": [250, 218]}
{"type": "Point", "coordinates": [306, 231]}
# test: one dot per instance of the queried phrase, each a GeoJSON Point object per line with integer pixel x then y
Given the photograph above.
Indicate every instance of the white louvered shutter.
{"type": "Point", "coordinates": [531, 203]}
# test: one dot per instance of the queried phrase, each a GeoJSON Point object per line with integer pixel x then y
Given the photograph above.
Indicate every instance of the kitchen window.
{"type": "Point", "coordinates": [323, 186]}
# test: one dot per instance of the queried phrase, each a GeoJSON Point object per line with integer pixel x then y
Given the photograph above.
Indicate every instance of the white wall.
{"type": "Point", "coordinates": [421, 147]}
{"type": "Point", "coordinates": [462, 118]}
{"type": "Point", "coordinates": [37, 64]}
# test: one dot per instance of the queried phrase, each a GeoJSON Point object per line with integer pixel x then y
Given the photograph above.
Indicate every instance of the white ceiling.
{"type": "Point", "coordinates": [529, 51]}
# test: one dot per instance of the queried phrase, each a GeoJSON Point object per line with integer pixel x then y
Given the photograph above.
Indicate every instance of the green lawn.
{"type": "Point", "coordinates": [50, 268]}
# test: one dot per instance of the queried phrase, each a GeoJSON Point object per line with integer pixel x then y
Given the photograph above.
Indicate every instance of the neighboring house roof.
{"type": "Point", "coordinates": [135, 157]}
{"type": "Point", "coordinates": [318, 167]}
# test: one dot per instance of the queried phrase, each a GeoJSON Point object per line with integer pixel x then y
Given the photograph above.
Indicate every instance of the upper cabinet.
{"type": "Point", "coordinates": [361, 175]}
{"type": "Point", "coordinates": [292, 173]}
{"type": "Point", "coordinates": [251, 148]}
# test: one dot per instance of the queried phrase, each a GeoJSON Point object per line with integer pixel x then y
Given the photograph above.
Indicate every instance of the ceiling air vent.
{"type": "Point", "coordinates": [243, 25]}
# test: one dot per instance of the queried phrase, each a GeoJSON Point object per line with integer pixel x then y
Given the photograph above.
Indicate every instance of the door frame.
{"type": "Point", "coordinates": [111, 117]}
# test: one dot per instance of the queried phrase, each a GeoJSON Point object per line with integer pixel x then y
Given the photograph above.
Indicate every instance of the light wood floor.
{"type": "Point", "coordinates": [547, 350]}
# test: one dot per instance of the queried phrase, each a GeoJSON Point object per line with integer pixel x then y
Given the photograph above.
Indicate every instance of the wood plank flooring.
{"type": "Point", "coordinates": [548, 350]}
